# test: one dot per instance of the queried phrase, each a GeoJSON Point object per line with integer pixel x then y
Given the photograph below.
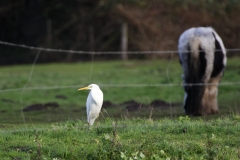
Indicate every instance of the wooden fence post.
{"type": "Point", "coordinates": [124, 41]}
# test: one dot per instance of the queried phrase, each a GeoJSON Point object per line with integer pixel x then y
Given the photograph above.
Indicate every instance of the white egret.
{"type": "Point", "coordinates": [94, 102]}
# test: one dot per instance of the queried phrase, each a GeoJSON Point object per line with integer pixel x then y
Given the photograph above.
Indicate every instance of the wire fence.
{"type": "Point", "coordinates": [40, 49]}
{"type": "Point", "coordinates": [95, 53]}
{"type": "Point", "coordinates": [117, 86]}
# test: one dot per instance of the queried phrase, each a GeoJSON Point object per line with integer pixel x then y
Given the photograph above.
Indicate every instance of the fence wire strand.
{"type": "Point", "coordinates": [117, 86]}
{"type": "Point", "coordinates": [40, 49]}
{"type": "Point", "coordinates": [95, 53]}
{"type": "Point", "coordinates": [29, 79]}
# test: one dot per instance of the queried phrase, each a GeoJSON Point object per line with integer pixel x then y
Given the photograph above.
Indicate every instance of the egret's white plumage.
{"type": "Point", "coordinates": [94, 102]}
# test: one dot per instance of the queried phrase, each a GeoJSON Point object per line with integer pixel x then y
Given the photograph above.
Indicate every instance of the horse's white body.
{"type": "Point", "coordinates": [203, 59]}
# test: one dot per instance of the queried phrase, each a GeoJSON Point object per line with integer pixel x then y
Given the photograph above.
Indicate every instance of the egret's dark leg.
{"type": "Point", "coordinates": [97, 124]}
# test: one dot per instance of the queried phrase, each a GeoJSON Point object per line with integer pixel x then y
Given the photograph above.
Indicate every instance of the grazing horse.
{"type": "Point", "coordinates": [203, 59]}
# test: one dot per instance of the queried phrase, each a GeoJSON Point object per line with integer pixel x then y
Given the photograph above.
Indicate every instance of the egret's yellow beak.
{"type": "Point", "coordinates": [84, 88]}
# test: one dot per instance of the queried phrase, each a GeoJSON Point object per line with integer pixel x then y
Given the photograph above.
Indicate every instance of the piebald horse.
{"type": "Point", "coordinates": [203, 58]}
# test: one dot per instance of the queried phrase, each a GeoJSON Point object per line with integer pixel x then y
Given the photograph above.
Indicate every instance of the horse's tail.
{"type": "Point", "coordinates": [196, 70]}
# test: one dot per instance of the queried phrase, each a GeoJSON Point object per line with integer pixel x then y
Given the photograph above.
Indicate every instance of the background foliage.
{"type": "Point", "coordinates": [95, 25]}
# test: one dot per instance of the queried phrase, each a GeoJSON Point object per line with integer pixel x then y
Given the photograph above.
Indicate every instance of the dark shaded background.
{"type": "Point", "coordinates": [95, 25]}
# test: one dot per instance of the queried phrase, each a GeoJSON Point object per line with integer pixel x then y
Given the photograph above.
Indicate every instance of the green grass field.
{"type": "Point", "coordinates": [127, 139]}
{"type": "Point", "coordinates": [110, 76]}
{"type": "Point", "coordinates": [147, 133]}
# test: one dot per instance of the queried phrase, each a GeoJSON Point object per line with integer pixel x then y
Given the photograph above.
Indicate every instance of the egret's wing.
{"type": "Point", "coordinates": [88, 105]}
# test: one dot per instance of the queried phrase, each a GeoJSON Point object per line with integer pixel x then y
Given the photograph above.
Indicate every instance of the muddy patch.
{"type": "Point", "coordinates": [40, 107]}
{"type": "Point", "coordinates": [133, 105]}
{"type": "Point", "coordinates": [78, 110]}
{"type": "Point", "coordinates": [108, 104]}
{"type": "Point", "coordinates": [7, 100]}
{"type": "Point", "coordinates": [3, 111]}
{"type": "Point", "coordinates": [61, 97]}
{"type": "Point", "coordinates": [130, 105]}
{"type": "Point", "coordinates": [162, 104]}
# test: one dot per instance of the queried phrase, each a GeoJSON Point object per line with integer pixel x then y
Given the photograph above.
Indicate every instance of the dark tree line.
{"type": "Point", "coordinates": [95, 25]}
